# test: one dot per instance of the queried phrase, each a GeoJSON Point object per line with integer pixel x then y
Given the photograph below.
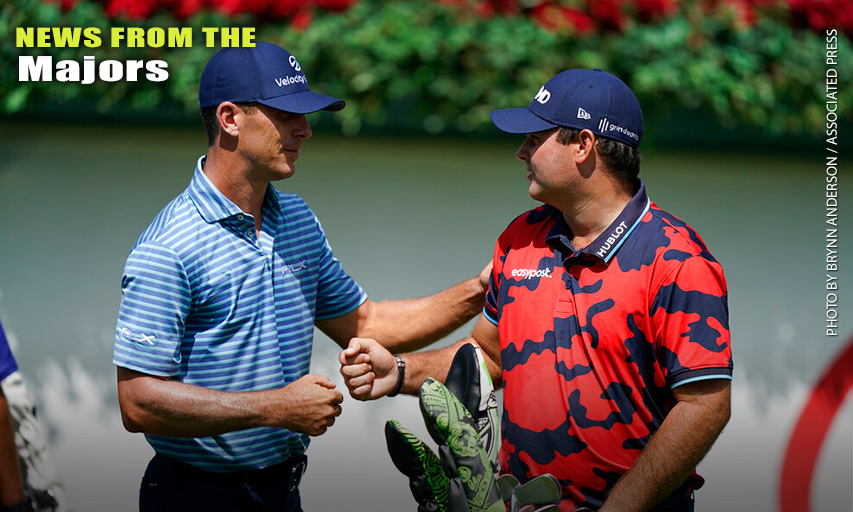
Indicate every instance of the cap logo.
{"type": "Point", "coordinates": [294, 64]}
{"type": "Point", "coordinates": [605, 126]}
{"type": "Point", "coordinates": [582, 114]}
{"type": "Point", "coordinates": [290, 80]}
{"type": "Point", "coordinates": [543, 95]}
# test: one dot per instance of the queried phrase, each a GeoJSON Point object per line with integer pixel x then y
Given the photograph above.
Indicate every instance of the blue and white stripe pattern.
{"type": "Point", "coordinates": [209, 303]}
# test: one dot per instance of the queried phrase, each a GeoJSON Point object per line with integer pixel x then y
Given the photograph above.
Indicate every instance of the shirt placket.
{"type": "Point", "coordinates": [566, 308]}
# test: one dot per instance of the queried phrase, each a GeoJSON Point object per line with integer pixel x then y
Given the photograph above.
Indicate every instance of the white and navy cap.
{"type": "Point", "coordinates": [267, 74]}
{"type": "Point", "coordinates": [583, 99]}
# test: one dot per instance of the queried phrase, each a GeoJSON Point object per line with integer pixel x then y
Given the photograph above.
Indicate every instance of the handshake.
{"type": "Point", "coordinates": [462, 418]}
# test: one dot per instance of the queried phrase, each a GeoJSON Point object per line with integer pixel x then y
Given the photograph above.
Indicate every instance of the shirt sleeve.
{"type": "Point", "coordinates": [156, 300]}
{"type": "Point", "coordinates": [492, 307]}
{"type": "Point", "coordinates": [690, 322]}
{"type": "Point", "coordinates": [337, 291]}
{"type": "Point", "coordinates": [8, 366]}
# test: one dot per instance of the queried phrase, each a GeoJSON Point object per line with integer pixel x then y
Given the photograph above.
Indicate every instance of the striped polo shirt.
{"type": "Point", "coordinates": [594, 339]}
{"type": "Point", "coordinates": [209, 303]}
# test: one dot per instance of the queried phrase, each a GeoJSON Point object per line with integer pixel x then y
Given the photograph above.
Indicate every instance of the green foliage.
{"type": "Point", "coordinates": [436, 66]}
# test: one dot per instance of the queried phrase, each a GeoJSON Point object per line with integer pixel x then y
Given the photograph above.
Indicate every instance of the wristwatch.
{"type": "Point", "coordinates": [401, 375]}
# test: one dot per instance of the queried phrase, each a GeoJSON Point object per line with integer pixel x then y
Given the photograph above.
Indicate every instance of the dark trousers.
{"type": "Point", "coordinates": [171, 485]}
{"type": "Point", "coordinates": [676, 504]}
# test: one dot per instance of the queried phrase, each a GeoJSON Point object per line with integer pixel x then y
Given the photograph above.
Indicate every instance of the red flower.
{"type": "Point", "coordinates": [554, 17]}
{"type": "Point", "coordinates": [133, 9]}
{"type": "Point", "coordinates": [823, 15]}
{"type": "Point", "coordinates": [484, 9]}
{"type": "Point", "coordinates": [653, 10]}
{"type": "Point", "coordinates": [285, 8]}
{"type": "Point", "coordinates": [548, 15]}
{"type": "Point", "coordinates": [506, 6]}
{"type": "Point", "coordinates": [335, 5]}
{"type": "Point", "coordinates": [302, 19]}
{"type": "Point", "coordinates": [232, 7]}
{"type": "Point", "coordinates": [608, 13]}
{"type": "Point", "coordinates": [183, 9]}
{"type": "Point", "coordinates": [746, 14]}
{"type": "Point", "coordinates": [65, 5]}
{"type": "Point", "coordinates": [582, 23]}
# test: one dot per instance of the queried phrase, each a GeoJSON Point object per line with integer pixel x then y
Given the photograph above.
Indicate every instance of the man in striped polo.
{"type": "Point", "coordinates": [220, 297]}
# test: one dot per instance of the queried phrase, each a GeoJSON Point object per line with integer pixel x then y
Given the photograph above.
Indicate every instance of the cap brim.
{"type": "Point", "coordinates": [304, 102]}
{"type": "Point", "coordinates": [519, 120]}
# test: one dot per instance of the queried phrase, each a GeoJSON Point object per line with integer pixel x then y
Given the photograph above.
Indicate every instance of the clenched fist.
{"type": "Point", "coordinates": [308, 405]}
{"type": "Point", "coordinates": [369, 370]}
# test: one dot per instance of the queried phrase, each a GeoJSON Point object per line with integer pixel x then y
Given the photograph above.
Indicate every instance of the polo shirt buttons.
{"type": "Point", "coordinates": [250, 233]}
{"type": "Point", "coordinates": [240, 217]}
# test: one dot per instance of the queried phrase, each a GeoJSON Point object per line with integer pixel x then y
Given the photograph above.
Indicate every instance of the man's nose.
{"type": "Point", "coordinates": [303, 128]}
{"type": "Point", "coordinates": [523, 152]}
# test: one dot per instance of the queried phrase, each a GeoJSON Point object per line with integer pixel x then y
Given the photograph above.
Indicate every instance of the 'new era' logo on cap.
{"type": "Point", "coordinates": [582, 114]}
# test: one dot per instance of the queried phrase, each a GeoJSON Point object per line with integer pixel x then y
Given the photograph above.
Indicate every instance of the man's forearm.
{"type": "Point", "coordinates": [682, 440]}
{"type": "Point", "coordinates": [160, 406]}
{"type": "Point", "coordinates": [433, 363]}
{"type": "Point", "coordinates": [410, 324]}
{"type": "Point", "coordinates": [170, 408]}
{"type": "Point", "coordinates": [11, 483]}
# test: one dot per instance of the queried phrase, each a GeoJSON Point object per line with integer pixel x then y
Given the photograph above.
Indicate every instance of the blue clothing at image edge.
{"type": "Point", "coordinates": [209, 302]}
{"type": "Point", "coordinates": [8, 366]}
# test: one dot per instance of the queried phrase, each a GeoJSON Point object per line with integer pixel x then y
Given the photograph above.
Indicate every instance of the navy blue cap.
{"type": "Point", "coordinates": [267, 74]}
{"type": "Point", "coordinates": [589, 99]}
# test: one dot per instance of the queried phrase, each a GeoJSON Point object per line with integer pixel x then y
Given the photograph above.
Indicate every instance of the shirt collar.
{"type": "Point", "coordinates": [608, 242]}
{"type": "Point", "coordinates": [212, 204]}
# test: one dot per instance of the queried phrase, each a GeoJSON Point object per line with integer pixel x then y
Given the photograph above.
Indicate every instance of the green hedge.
{"type": "Point", "coordinates": [438, 67]}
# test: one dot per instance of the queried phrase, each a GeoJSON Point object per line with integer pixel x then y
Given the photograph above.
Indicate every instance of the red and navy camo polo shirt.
{"type": "Point", "coordinates": [593, 341]}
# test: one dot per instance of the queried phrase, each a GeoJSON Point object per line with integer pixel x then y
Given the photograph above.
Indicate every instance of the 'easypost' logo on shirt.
{"type": "Point", "coordinates": [530, 273]}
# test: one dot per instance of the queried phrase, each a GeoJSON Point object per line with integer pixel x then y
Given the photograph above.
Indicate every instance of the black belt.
{"type": "Point", "coordinates": [288, 472]}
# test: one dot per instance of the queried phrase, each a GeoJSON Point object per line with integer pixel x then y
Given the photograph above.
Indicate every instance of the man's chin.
{"type": "Point", "coordinates": [283, 174]}
{"type": "Point", "coordinates": [538, 195]}
{"type": "Point", "coordinates": [535, 192]}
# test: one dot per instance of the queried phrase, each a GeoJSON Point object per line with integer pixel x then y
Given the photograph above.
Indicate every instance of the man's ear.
{"type": "Point", "coordinates": [586, 146]}
{"type": "Point", "coordinates": [226, 114]}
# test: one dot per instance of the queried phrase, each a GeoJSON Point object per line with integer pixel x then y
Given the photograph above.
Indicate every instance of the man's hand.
{"type": "Point", "coordinates": [369, 370]}
{"type": "Point", "coordinates": [308, 405]}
